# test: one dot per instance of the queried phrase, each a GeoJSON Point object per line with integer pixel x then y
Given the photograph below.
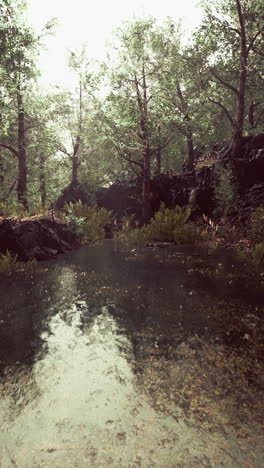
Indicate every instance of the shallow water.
{"type": "Point", "coordinates": [94, 354]}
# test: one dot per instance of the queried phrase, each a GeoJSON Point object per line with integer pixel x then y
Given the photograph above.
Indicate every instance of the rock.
{"type": "Point", "coordinates": [72, 194]}
{"type": "Point", "coordinates": [195, 188]}
{"type": "Point", "coordinates": [35, 239]}
{"type": "Point", "coordinates": [122, 198]}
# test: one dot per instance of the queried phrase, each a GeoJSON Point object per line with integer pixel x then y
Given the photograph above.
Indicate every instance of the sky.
{"type": "Point", "coordinates": [91, 23]}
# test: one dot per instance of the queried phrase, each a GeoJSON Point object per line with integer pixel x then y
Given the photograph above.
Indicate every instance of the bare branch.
{"type": "Point", "coordinates": [250, 46]}
{"type": "Point", "coordinates": [63, 150]}
{"type": "Point", "coordinates": [235, 30]}
{"type": "Point", "coordinates": [227, 113]}
{"type": "Point", "coordinates": [10, 148]}
{"type": "Point", "coordinates": [224, 83]}
{"type": "Point", "coordinates": [131, 161]}
{"type": "Point", "coordinates": [258, 118]}
{"type": "Point", "coordinates": [258, 52]}
{"type": "Point", "coordinates": [161, 147]}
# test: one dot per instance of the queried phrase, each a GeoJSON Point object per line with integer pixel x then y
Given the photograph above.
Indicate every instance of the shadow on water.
{"type": "Point", "coordinates": [127, 358]}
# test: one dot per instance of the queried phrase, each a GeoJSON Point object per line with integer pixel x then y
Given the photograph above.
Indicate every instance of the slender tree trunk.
{"type": "Point", "coordinates": [42, 180]}
{"type": "Point", "coordinates": [146, 207]}
{"type": "Point", "coordinates": [251, 113]}
{"type": "Point", "coordinates": [2, 171]}
{"type": "Point", "coordinates": [190, 150]}
{"type": "Point", "coordinates": [240, 111]}
{"type": "Point", "coordinates": [75, 162]}
{"type": "Point", "coordinates": [158, 160]}
{"type": "Point", "coordinates": [75, 158]}
{"type": "Point", "coordinates": [158, 155]}
{"type": "Point", "coordinates": [142, 100]}
{"type": "Point", "coordinates": [189, 164]}
{"type": "Point", "coordinates": [22, 155]}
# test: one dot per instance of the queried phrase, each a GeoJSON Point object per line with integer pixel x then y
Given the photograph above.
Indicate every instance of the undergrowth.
{"type": "Point", "coordinates": [252, 256]}
{"type": "Point", "coordinates": [10, 264]}
{"type": "Point", "coordinates": [168, 225]}
{"type": "Point", "coordinates": [88, 221]}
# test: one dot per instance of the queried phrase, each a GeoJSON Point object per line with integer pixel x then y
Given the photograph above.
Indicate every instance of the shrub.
{"type": "Point", "coordinates": [166, 226]}
{"type": "Point", "coordinates": [254, 256]}
{"type": "Point", "coordinates": [8, 209]}
{"type": "Point", "coordinates": [257, 225]}
{"type": "Point", "coordinates": [7, 262]}
{"type": "Point", "coordinates": [88, 221]}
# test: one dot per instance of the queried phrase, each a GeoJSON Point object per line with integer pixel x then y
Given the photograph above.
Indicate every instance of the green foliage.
{"type": "Point", "coordinates": [88, 221]}
{"type": "Point", "coordinates": [7, 262]}
{"type": "Point", "coordinates": [9, 209]}
{"type": "Point", "coordinates": [166, 226]}
{"type": "Point", "coordinates": [253, 256]}
{"type": "Point", "coordinates": [10, 264]}
{"type": "Point", "coordinates": [225, 190]}
{"type": "Point", "coordinates": [257, 225]}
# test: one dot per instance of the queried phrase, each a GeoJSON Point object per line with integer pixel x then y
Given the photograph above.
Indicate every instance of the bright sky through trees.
{"type": "Point", "coordinates": [91, 22]}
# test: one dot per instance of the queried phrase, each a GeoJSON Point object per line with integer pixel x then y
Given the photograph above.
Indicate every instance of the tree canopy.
{"type": "Point", "coordinates": [148, 109]}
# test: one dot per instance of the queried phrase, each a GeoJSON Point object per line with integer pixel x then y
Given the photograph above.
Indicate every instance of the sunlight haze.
{"type": "Point", "coordinates": [91, 23]}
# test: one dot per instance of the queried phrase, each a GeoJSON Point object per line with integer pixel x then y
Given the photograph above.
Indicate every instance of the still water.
{"type": "Point", "coordinates": [105, 361]}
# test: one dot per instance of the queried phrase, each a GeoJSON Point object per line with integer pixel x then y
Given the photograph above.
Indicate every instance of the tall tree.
{"type": "Point", "coordinates": [19, 47]}
{"type": "Point", "coordinates": [231, 33]}
{"type": "Point", "coordinates": [133, 114]}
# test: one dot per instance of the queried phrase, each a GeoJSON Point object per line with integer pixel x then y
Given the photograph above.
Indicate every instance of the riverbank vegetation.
{"type": "Point", "coordinates": [174, 124]}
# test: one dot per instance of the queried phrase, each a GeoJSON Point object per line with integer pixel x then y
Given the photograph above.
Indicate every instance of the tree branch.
{"type": "Point", "coordinates": [224, 83]}
{"type": "Point", "coordinates": [63, 150]}
{"type": "Point", "coordinates": [227, 113]}
{"type": "Point", "coordinates": [10, 148]}
{"type": "Point", "coordinates": [258, 118]}
{"type": "Point", "coordinates": [131, 161]}
{"type": "Point", "coordinates": [250, 46]}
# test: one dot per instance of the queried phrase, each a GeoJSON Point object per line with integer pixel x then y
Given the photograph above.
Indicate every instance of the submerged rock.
{"type": "Point", "coordinates": [38, 239]}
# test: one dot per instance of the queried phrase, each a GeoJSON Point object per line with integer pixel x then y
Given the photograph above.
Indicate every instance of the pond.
{"type": "Point", "coordinates": [123, 357]}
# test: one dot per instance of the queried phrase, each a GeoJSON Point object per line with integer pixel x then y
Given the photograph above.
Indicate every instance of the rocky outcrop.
{"type": "Point", "coordinates": [194, 188]}
{"type": "Point", "coordinates": [38, 239]}
{"type": "Point", "coordinates": [122, 198]}
{"type": "Point", "coordinates": [71, 194]}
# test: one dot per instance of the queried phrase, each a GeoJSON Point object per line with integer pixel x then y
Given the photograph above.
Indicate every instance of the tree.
{"type": "Point", "coordinates": [132, 113]}
{"type": "Point", "coordinates": [18, 50]}
{"type": "Point", "coordinates": [231, 33]}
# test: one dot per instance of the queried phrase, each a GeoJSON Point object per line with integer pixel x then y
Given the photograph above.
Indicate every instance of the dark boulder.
{"type": "Point", "coordinates": [72, 194]}
{"type": "Point", "coordinates": [122, 198]}
{"type": "Point", "coordinates": [35, 239]}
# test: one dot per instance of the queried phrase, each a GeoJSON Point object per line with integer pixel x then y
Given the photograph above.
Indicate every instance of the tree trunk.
{"type": "Point", "coordinates": [75, 162]}
{"type": "Point", "coordinates": [22, 155]}
{"type": "Point", "coordinates": [158, 154]}
{"type": "Point", "coordinates": [146, 207]}
{"type": "Point", "coordinates": [158, 160]}
{"type": "Point", "coordinates": [190, 150]}
{"type": "Point", "coordinates": [2, 171]}
{"type": "Point", "coordinates": [251, 112]}
{"type": "Point", "coordinates": [240, 111]}
{"type": "Point", "coordinates": [42, 180]}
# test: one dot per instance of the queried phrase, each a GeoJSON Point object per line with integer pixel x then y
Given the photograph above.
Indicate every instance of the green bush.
{"type": "Point", "coordinates": [254, 256]}
{"type": "Point", "coordinates": [88, 221]}
{"type": "Point", "coordinates": [7, 262]}
{"type": "Point", "coordinates": [257, 225]}
{"type": "Point", "coordinates": [9, 209]}
{"type": "Point", "coordinates": [166, 226]}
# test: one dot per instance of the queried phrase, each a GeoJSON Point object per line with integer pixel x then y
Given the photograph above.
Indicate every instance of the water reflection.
{"type": "Point", "coordinates": [87, 400]}
{"type": "Point", "coordinates": [104, 363]}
